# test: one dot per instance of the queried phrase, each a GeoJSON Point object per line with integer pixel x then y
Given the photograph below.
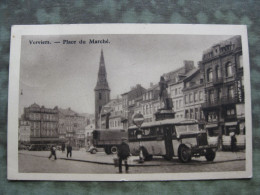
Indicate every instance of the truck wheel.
{"type": "Point", "coordinates": [113, 150]}
{"type": "Point", "coordinates": [184, 154]}
{"type": "Point", "coordinates": [210, 155]}
{"type": "Point", "coordinates": [107, 150]}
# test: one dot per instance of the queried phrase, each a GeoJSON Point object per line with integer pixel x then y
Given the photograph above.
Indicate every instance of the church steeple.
{"type": "Point", "coordinates": [102, 74]}
{"type": "Point", "coordinates": [102, 90]}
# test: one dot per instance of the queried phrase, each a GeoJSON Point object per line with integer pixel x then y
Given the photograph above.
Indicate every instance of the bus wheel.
{"type": "Point", "coordinates": [210, 155]}
{"type": "Point", "coordinates": [107, 150]}
{"type": "Point", "coordinates": [184, 154]}
{"type": "Point", "coordinates": [113, 149]}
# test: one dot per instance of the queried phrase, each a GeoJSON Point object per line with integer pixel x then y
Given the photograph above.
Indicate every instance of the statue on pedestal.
{"type": "Point", "coordinates": [164, 94]}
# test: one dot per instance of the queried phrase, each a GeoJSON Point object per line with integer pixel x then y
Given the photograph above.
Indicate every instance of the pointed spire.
{"type": "Point", "coordinates": [102, 61]}
{"type": "Point", "coordinates": [102, 74]}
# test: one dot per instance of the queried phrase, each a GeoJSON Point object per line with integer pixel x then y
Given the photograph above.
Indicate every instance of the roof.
{"type": "Point", "coordinates": [235, 41]}
{"type": "Point", "coordinates": [67, 112]}
{"type": "Point", "coordinates": [176, 121]}
{"type": "Point", "coordinates": [135, 92]}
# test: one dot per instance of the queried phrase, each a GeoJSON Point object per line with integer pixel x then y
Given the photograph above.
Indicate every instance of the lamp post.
{"type": "Point", "coordinates": [138, 120]}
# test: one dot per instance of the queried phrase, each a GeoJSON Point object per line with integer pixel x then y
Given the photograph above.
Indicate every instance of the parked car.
{"type": "Point", "coordinates": [93, 150]}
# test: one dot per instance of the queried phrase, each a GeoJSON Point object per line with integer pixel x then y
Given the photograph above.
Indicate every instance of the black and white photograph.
{"type": "Point", "coordinates": [129, 102]}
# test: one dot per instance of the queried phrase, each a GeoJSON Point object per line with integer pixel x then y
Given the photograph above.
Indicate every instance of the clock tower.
{"type": "Point", "coordinates": [102, 90]}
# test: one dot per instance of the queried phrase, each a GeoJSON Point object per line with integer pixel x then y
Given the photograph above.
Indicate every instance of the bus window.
{"type": "Point", "coordinates": [187, 128]}
{"type": "Point", "coordinates": [146, 131]}
{"type": "Point", "coordinates": [159, 130]}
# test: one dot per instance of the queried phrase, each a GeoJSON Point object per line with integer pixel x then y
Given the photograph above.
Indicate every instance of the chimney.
{"type": "Point", "coordinates": [188, 65]}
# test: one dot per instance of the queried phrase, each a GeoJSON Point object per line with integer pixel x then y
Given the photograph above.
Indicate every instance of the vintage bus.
{"type": "Point", "coordinates": [109, 139]}
{"type": "Point", "coordinates": [169, 138]}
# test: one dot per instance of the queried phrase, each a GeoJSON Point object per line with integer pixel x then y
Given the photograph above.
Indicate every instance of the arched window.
{"type": "Point", "coordinates": [209, 75]}
{"type": "Point", "coordinates": [228, 69]}
{"type": "Point", "coordinates": [218, 74]}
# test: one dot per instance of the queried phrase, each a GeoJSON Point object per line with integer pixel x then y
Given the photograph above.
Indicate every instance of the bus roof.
{"type": "Point", "coordinates": [176, 121]}
{"type": "Point", "coordinates": [109, 130]}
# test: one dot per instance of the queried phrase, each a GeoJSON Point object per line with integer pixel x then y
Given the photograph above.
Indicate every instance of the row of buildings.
{"type": "Point", "coordinates": [53, 125]}
{"type": "Point", "coordinates": [212, 93]}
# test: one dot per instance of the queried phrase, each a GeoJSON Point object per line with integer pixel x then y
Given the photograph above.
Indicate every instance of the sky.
{"type": "Point", "coordinates": [65, 75]}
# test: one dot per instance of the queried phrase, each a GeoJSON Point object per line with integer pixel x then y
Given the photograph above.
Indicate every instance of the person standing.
{"type": "Point", "coordinates": [69, 150]}
{"type": "Point", "coordinates": [63, 147]}
{"type": "Point", "coordinates": [233, 142]}
{"type": "Point", "coordinates": [123, 153]}
{"type": "Point", "coordinates": [53, 152]}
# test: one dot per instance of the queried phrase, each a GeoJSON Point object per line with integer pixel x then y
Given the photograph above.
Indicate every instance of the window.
{"type": "Point", "coordinates": [176, 91]}
{"type": "Point", "coordinates": [211, 96]}
{"type": "Point", "coordinates": [191, 97]}
{"type": "Point", "coordinates": [230, 112]}
{"type": "Point", "coordinates": [180, 103]}
{"type": "Point", "coordinates": [231, 92]}
{"type": "Point", "coordinates": [186, 99]}
{"type": "Point", "coordinates": [218, 74]}
{"type": "Point", "coordinates": [196, 113]}
{"type": "Point", "coordinates": [240, 61]}
{"type": "Point", "coordinates": [187, 114]}
{"type": "Point", "coordinates": [100, 95]}
{"type": "Point", "coordinates": [191, 114]}
{"type": "Point", "coordinates": [219, 93]}
{"type": "Point", "coordinates": [209, 75]}
{"type": "Point", "coordinates": [201, 95]}
{"type": "Point", "coordinates": [196, 98]}
{"type": "Point", "coordinates": [228, 69]}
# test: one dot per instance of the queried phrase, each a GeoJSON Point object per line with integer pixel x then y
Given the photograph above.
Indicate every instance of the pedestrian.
{"type": "Point", "coordinates": [123, 153]}
{"type": "Point", "coordinates": [63, 147]}
{"type": "Point", "coordinates": [53, 152]}
{"type": "Point", "coordinates": [233, 142]}
{"type": "Point", "coordinates": [69, 150]}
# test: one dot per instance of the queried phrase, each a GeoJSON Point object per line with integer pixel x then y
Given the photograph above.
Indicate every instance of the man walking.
{"type": "Point", "coordinates": [53, 152]}
{"type": "Point", "coordinates": [69, 150]}
{"type": "Point", "coordinates": [123, 154]}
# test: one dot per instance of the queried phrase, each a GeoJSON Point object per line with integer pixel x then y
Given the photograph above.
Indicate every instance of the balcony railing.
{"type": "Point", "coordinates": [220, 101]}
{"type": "Point", "coordinates": [218, 80]}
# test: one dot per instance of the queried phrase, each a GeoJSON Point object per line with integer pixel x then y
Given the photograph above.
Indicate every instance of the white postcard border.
{"type": "Point", "coordinates": [76, 29]}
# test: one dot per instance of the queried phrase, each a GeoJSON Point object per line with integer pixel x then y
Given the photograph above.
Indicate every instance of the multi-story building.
{"type": "Point", "coordinates": [193, 92]}
{"type": "Point", "coordinates": [222, 67]}
{"type": "Point", "coordinates": [43, 123]}
{"type": "Point", "coordinates": [110, 116]}
{"type": "Point", "coordinates": [24, 131]}
{"type": "Point", "coordinates": [129, 101]}
{"type": "Point", "coordinates": [175, 87]}
{"type": "Point", "coordinates": [102, 90]}
{"type": "Point", "coordinates": [150, 103]}
{"type": "Point", "coordinates": [70, 125]}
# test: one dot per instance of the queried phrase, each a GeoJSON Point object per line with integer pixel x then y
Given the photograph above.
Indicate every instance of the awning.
{"type": "Point", "coordinates": [231, 123]}
{"type": "Point", "coordinates": [211, 125]}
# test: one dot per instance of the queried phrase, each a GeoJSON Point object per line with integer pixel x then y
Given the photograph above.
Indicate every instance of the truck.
{"type": "Point", "coordinates": [109, 139]}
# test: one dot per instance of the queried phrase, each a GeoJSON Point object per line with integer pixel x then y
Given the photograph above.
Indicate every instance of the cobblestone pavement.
{"type": "Point", "coordinates": [102, 158]}
{"type": "Point", "coordinates": [84, 162]}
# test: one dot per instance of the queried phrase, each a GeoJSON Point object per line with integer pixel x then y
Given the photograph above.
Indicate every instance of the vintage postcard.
{"type": "Point", "coordinates": [129, 102]}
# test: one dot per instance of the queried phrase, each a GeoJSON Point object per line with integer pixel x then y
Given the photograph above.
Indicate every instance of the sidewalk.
{"type": "Point", "coordinates": [102, 158]}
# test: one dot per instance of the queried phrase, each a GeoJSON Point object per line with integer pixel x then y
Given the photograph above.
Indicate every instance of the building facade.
{"type": "Point", "coordinates": [150, 103]}
{"type": "Point", "coordinates": [43, 123]}
{"type": "Point", "coordinates": [193, 92]}
{"type": "Point", "coordinates": [130, 100]}
{"type": "Point", "coordinates": [222, 67]}
{"type": "Point", "coordinates": [24, 131]}
{"type": "Point", "coordinates": [102, 90]}
{"type": "Point", "coordinates": [71, 125]}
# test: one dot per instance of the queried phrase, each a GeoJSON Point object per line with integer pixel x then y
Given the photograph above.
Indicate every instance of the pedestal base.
{"type": "Point", "coordinates": [164, 114]}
